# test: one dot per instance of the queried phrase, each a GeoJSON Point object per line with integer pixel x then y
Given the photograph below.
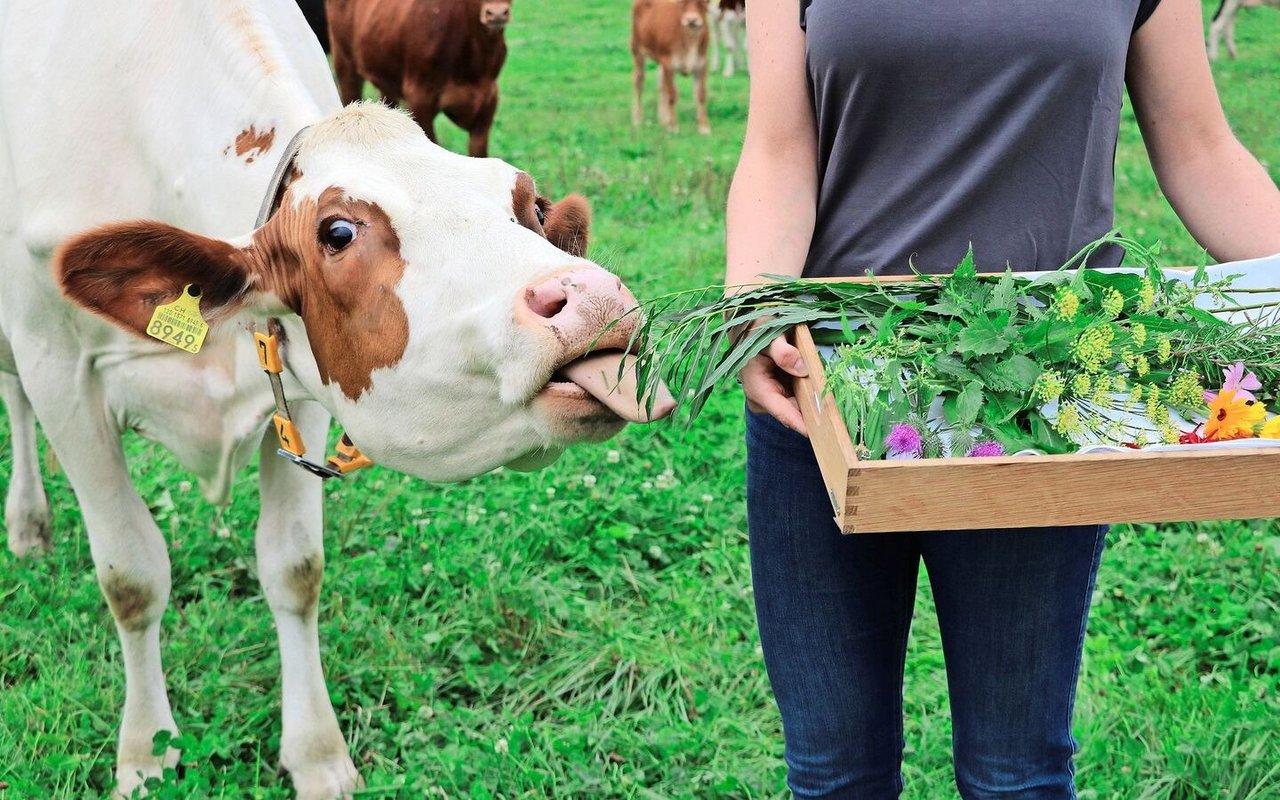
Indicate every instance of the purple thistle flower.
{"type": "Point", "coordinates": [985, 450]}
{"type": "Point", "coordinates": [904, 440]}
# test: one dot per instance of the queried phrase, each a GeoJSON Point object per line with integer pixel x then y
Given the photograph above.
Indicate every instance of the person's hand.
{"type": "Point", "coordinates": [766, 383]}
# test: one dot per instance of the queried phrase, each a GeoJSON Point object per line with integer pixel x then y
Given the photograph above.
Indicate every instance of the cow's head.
{"type": "Point", "coordinates": [494, 14]}
{"type": "Point", "coordinates": [693, 14]}
{"type": "Point", "coordinates": [447, 306]}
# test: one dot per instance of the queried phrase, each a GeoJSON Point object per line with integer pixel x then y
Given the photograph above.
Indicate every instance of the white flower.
{"type": "Point", "coordinates": [501, 746]}
{"type": "Point", "coordinates": [551, 491]}
{"type": "Point", "coordinates": [613, 456]}
{"type": "Point", "coordinates": [588, 481]}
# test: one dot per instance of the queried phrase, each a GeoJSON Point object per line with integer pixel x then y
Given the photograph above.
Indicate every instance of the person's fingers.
{"type": "Point", "coordinates": [785, 410]}
{"type": "Point", "coordinates": [767, 394]}
{"type": "Point", "coordinates": [788, 358]}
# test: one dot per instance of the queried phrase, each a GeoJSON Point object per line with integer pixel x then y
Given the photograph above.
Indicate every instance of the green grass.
{"type": "Point", "coordinates": [597, 616]}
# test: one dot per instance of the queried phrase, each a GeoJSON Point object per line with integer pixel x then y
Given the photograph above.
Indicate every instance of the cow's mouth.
{"type": "Point", "coordinates": [606, 379]}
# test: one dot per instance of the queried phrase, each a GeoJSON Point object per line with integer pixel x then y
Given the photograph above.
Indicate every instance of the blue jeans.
{"type": "Point", "coordinates": [834, 612]}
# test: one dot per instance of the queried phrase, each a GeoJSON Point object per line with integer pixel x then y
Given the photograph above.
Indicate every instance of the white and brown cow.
{"type": "Point", "coordinates": [432, 303]}
{"type": "Point", "coordinates": [674, 34]}
{"type": "Point", "coordinates": [1223, 25]}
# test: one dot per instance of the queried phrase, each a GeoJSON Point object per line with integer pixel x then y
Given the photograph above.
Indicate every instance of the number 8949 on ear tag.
{"type": "Point", "coordinates": [179, 323]}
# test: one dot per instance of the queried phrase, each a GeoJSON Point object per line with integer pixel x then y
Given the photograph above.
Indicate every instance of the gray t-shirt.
{"type": "Point", "coordinates": [940, 124]}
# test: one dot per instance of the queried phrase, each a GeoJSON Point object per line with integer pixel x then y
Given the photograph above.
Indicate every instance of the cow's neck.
{"type": "Point", "coordinates": [249, 78]}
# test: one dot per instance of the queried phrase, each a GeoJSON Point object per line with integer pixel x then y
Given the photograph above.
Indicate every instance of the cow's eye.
{"type": "Point", "coordinates": [541, 212]}
{"type": "Point", "coordinates": [337, 234]}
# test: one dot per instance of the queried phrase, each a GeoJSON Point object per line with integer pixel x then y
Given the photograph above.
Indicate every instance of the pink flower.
{"type": "Point", "coordinates": [1238, 381]}
{"type": "Point", "coordinates": [985, 450]}
{"type": "Point", "coordinates": [904, 440]}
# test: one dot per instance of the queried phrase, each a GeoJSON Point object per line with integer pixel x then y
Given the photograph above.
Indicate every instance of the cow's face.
{"type": "Point", "coordinates": [495, 14]}
{"type": "Point", "coordinates": [693, 14]}
{"type": "Point", "coordinates": [447, 306]}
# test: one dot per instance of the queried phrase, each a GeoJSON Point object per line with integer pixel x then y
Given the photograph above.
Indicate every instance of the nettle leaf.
{"type": "Point", "coordinates": [965, 270]}
{"type": "Point", "coordinates": [984, 336]}
{"type": "Point", "coordinates": [1018, 372]}
{"type": "Point", "coordinates": [947, 307]}
{"type": "Point", "coordinates": [953, 367]}
{"type": "Point", "coordinates": [1000, 407]}
{"type": "Point", "coordinates": [1004, 296]}
{"type": "Point", "coordinates": [968, 404]}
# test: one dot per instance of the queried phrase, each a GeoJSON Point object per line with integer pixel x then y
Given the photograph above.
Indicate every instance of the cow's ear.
{"type": "Point", "coordinates": [124, 271]}
{"type": "Point", "coordinates": [568, 224]}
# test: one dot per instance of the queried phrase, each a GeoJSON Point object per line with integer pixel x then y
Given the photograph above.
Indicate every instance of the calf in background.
{"type": "Point", "coordinates": [674, 34]}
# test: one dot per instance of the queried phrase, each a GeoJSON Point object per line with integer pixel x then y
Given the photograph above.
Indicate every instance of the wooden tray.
{"type": "Point", "coordinates": [1028, 491]}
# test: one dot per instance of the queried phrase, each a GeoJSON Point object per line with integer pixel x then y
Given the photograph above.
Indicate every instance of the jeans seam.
{"type": "Point", "coordinates": [1099, 535]}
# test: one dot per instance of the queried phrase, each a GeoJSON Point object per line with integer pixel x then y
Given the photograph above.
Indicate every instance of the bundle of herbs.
{"type": "Point", "coordinates": [969, 364]}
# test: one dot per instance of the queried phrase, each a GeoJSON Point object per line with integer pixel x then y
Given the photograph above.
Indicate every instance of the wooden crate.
{"type": "Point", "coordinates": [1028, 491]}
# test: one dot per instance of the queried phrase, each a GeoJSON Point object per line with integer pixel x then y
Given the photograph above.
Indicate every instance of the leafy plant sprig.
{"type": "Point", "coordinates": [991, 352]}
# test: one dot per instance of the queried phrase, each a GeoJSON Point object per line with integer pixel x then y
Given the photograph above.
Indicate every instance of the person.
{"type": "Point", "coordinates": [884, 134]}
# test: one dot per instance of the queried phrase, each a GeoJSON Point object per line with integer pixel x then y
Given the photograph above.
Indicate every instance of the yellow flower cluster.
{"type": "Point", "coordinates": [1146, 296]}
{"type": "Point", "coordinates": [1139, 333]}
{"type": "Point", "coordinates": [1049, 386]}
{"type": "Point", "coordinates": [1186, 390]}
{"type": "Point", "coordinates": [1080, 384]}
{"type": "Point", "coordinates": [1069, 423]}
{"type": "Point", "coordinates": [1066, 304]}
{"type": "Point", "coordinates": [1093, 347]}
{"type": "Point", "coordinates": [1112, 302]}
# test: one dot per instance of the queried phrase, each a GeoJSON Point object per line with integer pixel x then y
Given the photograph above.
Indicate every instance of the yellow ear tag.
{"type": "Point", "coordinates": [179, 323]}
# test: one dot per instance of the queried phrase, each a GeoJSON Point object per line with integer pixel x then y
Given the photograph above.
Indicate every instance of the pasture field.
{"type": "Point", "coordinates": [587, 631]}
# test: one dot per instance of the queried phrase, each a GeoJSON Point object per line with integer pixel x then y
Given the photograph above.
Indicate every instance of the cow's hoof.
{"type": "Point", "coordinates": [132, 772]}
{"type": "Point", "coordinates": [30, 533]}
{"type": "Point", "coordinates": [335, 779]}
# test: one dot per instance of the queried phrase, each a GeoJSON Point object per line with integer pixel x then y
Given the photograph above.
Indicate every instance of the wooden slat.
{"type": "Point", "coordinates": [1032, 491]}
{"type": "Point", "coordinates": [827, 431]}
{"type": "Point", "coordinates": [1028, 491]}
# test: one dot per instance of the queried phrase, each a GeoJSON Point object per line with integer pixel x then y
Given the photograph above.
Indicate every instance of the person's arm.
{"type": "Point", "coordinates": [1218, 189]}
{"type": "Point", "coordinates": [769, 221]}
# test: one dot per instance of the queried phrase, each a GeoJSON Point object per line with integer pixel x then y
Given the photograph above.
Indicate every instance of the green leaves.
{"type": "Point", "coordinates": [985, 336]}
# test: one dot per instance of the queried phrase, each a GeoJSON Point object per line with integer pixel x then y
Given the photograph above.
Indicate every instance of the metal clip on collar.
{"type": "Point", "coordinates": [348, 459]}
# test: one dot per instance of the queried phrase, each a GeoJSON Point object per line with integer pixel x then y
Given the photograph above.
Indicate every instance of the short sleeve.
{"type": "Point", "coordinates": [804, 10]}
{"type": "Point", "coordinates": [1145, 7]}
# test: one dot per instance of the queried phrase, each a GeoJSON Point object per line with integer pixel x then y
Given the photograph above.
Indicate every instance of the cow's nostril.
{"type": "Point", "coordinates": [546, 299]}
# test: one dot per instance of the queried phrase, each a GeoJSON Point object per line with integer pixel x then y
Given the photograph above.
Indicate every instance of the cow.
{"type": "Point", "coordinates": [674, 34]}
{"type": "Point", "coordinates": [1223, 24]}
{"type": "Point", "coordinates": [435, 55]}
{"type": "Point", "coordinates": [435, 305]}
{"type": "Point", "coordinates": [313, 10]}
{"type": "Point", "coordinates": [728, 26]}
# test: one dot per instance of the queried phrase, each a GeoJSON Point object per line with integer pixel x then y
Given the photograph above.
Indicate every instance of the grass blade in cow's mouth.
{"type": "Point", "coordinates": [610, 377]}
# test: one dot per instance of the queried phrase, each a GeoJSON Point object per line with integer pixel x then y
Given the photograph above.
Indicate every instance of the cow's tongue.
{"type": "Point", "coordinates": [598, 374]}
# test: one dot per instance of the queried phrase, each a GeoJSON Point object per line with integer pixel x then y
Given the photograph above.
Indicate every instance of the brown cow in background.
{"type": "Point", "coordinates": [674, 34]}
{"type": "Point", "coordinates": [435, 55]}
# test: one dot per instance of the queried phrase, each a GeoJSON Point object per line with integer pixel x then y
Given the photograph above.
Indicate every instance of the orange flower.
{"type": "Point", "coordinates": [1271, 430]}
{"type": "Point", "coordinates": [1232, 416]}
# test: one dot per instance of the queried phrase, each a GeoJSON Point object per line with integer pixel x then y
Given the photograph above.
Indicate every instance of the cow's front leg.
{"type": "Point", "coordinates": [290, 565]}
{"type": "Point", "coordinates": [481, 123]}
{"type": "Point", "coordinates": [26, 508]}
{"type": "Point", "coordinates": [667, 95]}
{"type": "Point", "coordinates": [130, 557]}
{"type": "Point", "coordinates": [637, 88]}
{"type": "Point", "coordinates": [700, 98]}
